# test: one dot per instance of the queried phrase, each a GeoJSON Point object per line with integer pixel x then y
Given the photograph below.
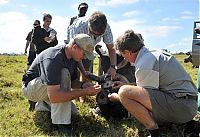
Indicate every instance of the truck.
{"type": "Point", "coordinates": [196, 54]}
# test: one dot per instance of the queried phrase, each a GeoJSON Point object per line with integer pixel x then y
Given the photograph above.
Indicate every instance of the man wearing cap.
{"type": "Point", "coordinates": [97, 27]}
{"type": "Point", "coordinates": [163, 92]}
{"type": "Point", "coordinates": [53, 78]}
{"type": "Point", "coordinates": [82, 9]}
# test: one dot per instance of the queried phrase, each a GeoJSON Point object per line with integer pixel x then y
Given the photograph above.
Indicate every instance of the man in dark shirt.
{"type": "Point", "coordinates": [82, 9]}
{"type": "Point", "coordinates": [53, 78]}
{"type": "Point", "coordinates": [32, 52]}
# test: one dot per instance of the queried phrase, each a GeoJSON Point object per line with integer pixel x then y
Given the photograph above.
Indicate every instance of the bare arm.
{"type": "Point", "coordinates": [82, 69]}
{"type": "Point", "coordinates": [112, 54]}
{"type": "Point", "coordinates": [113, 59]}
{"type": "Point", "coordinates": [26, 47]}
{"type": "Point", "coordinates": [57, 96]}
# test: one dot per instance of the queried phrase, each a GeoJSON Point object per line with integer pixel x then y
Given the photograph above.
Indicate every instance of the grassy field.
{"type": "Point", "coordinates": [16, 120]}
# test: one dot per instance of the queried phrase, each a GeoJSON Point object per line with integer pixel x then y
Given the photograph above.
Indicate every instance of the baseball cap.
{"type": "Point", "coordinates": [85, 42]}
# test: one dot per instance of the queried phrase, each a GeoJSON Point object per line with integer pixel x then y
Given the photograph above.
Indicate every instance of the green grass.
{"type": "Point", "coordinates": [16, 120]}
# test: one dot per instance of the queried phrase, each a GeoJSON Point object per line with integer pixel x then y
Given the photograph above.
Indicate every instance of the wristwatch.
{"type": "Point", "coordinates": [113, 66]}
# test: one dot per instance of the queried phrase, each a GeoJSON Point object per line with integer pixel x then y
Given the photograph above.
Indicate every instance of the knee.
{"type": "Point", "coordinates": [123, 91]}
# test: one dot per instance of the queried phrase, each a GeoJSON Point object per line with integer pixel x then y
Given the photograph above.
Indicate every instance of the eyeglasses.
{"type": "Point", "coordinates": [35, 24]}
{"type": "Point", "coordinates": [95, 33]}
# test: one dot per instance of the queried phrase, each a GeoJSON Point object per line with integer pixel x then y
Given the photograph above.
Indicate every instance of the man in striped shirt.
{"type": "Point", "coordinates": [98, 29]}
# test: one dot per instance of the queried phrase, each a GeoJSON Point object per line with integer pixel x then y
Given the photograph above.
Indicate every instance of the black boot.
{"type": "Point", "coordinates": [31, 105]}
{"type": "Point", "coordinates": [154, 133]}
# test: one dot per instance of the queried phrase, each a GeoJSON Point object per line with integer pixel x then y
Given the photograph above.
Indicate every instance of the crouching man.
{"type": "Point", "coordinates": [163, 93]}
{"type": "Point", "coordinates": [53, 78]}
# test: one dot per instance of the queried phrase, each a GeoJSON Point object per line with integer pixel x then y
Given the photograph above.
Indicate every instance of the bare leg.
{"type": "Point", "coordinates": [136, 100]}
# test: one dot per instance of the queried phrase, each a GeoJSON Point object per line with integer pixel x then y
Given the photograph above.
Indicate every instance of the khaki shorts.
{"type": "Point", "coordinates": [166, 108]}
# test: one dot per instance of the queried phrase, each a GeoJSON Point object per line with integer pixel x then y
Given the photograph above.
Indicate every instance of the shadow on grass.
{"type": "Point", "coordinates": [90, 126]}
{"type": "Point", "coordinates": [81, 125]}
{"type": "Point", "coordinates": [42, 120]}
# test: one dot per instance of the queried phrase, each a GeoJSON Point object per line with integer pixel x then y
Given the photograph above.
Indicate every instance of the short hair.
{"type": "Point", "coordinates": [37, 21]}
{"type": "Point", "coordinates": [98, 22]}
{"type": "Point", "coordinates": [46, 16]}
{"type": "Point", "coordinates": [129, 41]}
{"type": "Point", "coordinates": [83, 4]}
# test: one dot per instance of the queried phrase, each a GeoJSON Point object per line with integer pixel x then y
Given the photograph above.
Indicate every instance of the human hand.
{"type": "Point", "coordinates": [112, 72]}
{"type": "Point", "coordinates": [93, 90]}
{"type": "Point", "coordinates": [118, 84]}
{"type": "Point", "coordinates": [114, 97]}
{"type": "Point", "coordinates": [47, 39]}
{"type": "Point", "coordinates": [25, 52]}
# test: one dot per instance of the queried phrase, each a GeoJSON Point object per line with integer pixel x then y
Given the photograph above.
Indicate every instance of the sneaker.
{"type": "Point", "coordinates": [64, 129]}
{"type": "Point", "coordinates": [193, 128]}
{"type": "Point", "coordinates": [96, 111]}
{"type": "Point", "coordinates": [42, 106]}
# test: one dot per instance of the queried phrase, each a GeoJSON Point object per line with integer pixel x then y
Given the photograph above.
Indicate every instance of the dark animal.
{"type": "Point", "coordinates": [125, 73]}
{"type": "Point", "coordinates": [108, 109]}
{"type": "Point", "coordinates": [189, 59]}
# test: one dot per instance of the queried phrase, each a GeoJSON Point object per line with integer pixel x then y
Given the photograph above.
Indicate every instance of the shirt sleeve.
{"type": "Point", "coordinates": [108, 36]}
{"type": "Point", "coordinates": [28, 38]}
{"type": "Point", "coordinates": [147, 78]}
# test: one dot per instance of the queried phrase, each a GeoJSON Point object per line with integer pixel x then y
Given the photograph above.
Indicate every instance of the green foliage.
{"type": "Point", "coordinates": [188, 67]}
{"type": "Point", "coordinates": [16, 120]}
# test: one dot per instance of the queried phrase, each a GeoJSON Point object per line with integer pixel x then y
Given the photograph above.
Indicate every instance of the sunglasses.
{"type": "Point", "coordinates": [94, 33]}
{"type": "Point", "coordinates": [35, 24]}
{"type": "Point", "coordinates": [48, 21]}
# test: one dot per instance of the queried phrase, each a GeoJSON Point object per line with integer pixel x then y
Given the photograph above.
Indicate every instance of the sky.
{"type": "Point", "coordinates": [164, 24]}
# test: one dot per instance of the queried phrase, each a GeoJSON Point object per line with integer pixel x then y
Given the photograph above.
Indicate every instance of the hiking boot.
{"type": "Point", "coordinates": [193, 128]}
{"type": "Point", "coordinates": [31, 105]}
{"type": "Point", "coordinates": [154, 133]}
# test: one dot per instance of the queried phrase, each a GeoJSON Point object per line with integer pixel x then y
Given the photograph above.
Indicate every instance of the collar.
{"type": "Point", "coordinates": [140, 54]}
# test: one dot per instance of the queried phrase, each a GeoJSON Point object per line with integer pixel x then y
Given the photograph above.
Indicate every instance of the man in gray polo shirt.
{"type": "Point", "coordinates": [163, 92]}
{"type": "Point", "coordinates": [52, 78]}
